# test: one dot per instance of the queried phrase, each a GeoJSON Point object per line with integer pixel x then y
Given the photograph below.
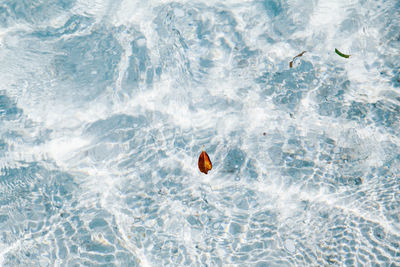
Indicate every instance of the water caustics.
{"type": "Point", "coordinates": [105, 107]}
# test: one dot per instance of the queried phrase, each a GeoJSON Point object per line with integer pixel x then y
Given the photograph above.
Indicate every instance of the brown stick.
{"type": "Point", "coordinates": [299, 55]}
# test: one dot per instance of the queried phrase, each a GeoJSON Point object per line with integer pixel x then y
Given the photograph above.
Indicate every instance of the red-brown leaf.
{"type": "Point", "coordinates": [204, 162]}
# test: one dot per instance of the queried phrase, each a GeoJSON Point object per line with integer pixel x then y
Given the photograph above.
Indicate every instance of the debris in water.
{"type": "Point", "coordinates": [204, 162]}
{"type": "Point", "coordinates": [341, 54]}
{"type": "Point", "coordinates": [299, 55]}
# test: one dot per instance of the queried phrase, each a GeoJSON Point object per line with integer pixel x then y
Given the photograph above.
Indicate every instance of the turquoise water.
{"type": "Point", "coordinates": [105, 107]}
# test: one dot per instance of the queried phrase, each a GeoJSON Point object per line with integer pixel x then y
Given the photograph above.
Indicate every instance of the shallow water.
{"type": "Point", "coordinates": [105, 107]}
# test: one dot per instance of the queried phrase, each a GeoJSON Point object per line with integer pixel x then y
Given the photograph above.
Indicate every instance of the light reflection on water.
{"type": "Point", "coordinates": [105, 107]}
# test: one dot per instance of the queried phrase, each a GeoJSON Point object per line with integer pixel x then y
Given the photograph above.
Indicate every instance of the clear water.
{"type": "Point", "coordinates": [105, 107]}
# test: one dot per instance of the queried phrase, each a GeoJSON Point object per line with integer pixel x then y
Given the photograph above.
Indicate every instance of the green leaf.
{"type": "Point", "coordinates": [341, 54]}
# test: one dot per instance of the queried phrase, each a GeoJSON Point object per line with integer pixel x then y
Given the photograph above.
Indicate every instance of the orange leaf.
{"type": "Point", "coordinates": [204, 162]}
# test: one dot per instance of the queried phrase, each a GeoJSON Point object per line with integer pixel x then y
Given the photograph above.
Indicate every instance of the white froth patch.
{"type": "Point", "coordinates": [259, 118]}
{"type": "Point", "coordinates": [140, 15]}
{"type": "Point", "coordinates": [290, 245]}
{"type": "Point", "coordinates": [367, 83]}
{"type": "Point", "coordinates": [179, 12]}
{"type": "Point", "coordinates": [280, 50]}
{"type": "Point", "coordinates": [323, 31]}
{"type": "Point", "coordinates": [4, 249]}
{"type": "Point", "coordinates": [3, 33]}
{"type": "Point", "coordinates": [96, 8]}
{"type": "Point", "coordinates": [327, 14]}
{"type": "Point", "coordinates": [159, 99]}
{"type": "Point", "coordinates": [64, 148]}
{"type": "Point", "coordinates": [141, 42]}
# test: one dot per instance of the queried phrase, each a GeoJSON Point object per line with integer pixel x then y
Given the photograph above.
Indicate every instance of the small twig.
{"type": "Point", "coordinates": [299, 55]}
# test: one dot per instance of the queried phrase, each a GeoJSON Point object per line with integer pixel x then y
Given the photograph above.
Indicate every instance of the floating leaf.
{"type": "Point", "coordinates": [341, 54]}
{"type": "Point", "coordinates": [299, 55]}
{"type": "Point", "coordinates": [204, 162]}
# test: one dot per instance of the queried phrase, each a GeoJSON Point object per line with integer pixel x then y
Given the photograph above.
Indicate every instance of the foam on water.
{"type": "Point", "coordinates": [105, 107]}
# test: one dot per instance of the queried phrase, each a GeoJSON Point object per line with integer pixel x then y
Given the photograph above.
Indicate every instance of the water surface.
{"type": "Point", "coordinates": [105, 107]}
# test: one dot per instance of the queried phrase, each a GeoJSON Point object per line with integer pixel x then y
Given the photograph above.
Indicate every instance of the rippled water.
{"type": "Point", "coordinates": [105, 107]}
